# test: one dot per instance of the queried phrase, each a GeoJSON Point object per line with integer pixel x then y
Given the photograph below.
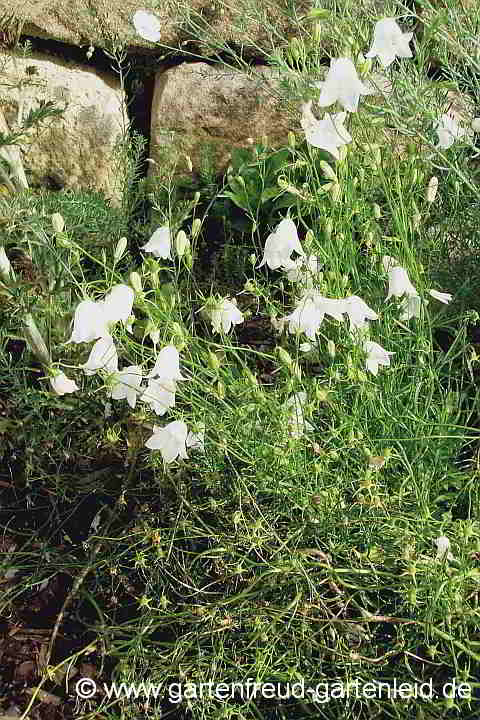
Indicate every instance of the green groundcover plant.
{"type": "Point", "coordinates": [261, 467]}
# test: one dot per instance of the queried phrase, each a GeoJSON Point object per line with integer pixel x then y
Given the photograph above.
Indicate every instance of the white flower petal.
{"type": "Point", "coordinates": [160, 395]}
{"type": "Point", "coordinates": [90, 322]}
{"type": "Point", "coordinates": [160, 243]}
{"type": "Point", "coordinates": [376, 355]}
{"type": "Point", "coordinates": [442, 297]}
{"type": "Point", "coordinates": [170, 440]}
{"type": "Point", "coordinates": [389, 42]}
{"type": "Point", "coordinates": [118, 303]}
{"type": "Point", "coordinates": [224, 315]}
{"type": "Point", "coordinates": [167, 364]}
{"type": "Point", "coordinates": [62, 385]}
{"type": "Point", "coordinates": [342, 84]}
{"type": "Point", "coordinates": [399, 283]}
{"type": "Point", "coordinates": [103, 356]}
{"type": "Point", "coordinates": [126, 385]}
{"type": "Point", "coordinates": [147, 25]}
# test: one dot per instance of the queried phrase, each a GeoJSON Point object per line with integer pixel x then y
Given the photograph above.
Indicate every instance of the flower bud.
{"type": "Point", "coordinates": [136, 282]}
{"type": "Point", "coordinates": [188, 160]}
{"type": "Point", "coordinates": [58, 223]}
{"type": "Point", "coordinates": [284, 356]}
{"type": "Point", "coordinates": [120, 249]}
{"type": "Point", "coordinates": [376, 211]}
{"type": "Point", "coordinates": [432, 189]}
{"type": "Point", "coordinates": [328, 228]}
{"type": "Point", "coordinates": [196, 226]}
{"type": "Point", "coordinates": [328, 171]}
{"type": "Point", "coordinates": [213, 361]}
{"type": "Point", "coordinates": [291, 139]}
{"type": "Point", "coordinates": [182, 243]}
{"type": "Point", "coordinates": [36, 342]}
{"type": "Point", "coordinates": [316, 32]}
{"type": "Point", "coordinates": [252, 380]}
{"type": "Point", "coordinates": [220, 389]}
{"type": "Point", "coordinates": [331, 348]}
{"type": "Point", "coordinates": [476, 124]}
{"type": "Point", "coordinates": [336, 192]}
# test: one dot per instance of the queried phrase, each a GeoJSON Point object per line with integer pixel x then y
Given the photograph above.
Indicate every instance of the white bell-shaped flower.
{"type": "Point", "coordinates": [443, 548]}
{"type": "Point", "coordinates": [342, 84]}
{"type": "Point", "coordinates": [170, 440]}
{"type": "Point", "coordinates": [90, 322]}
{"type": "Point", "coordinates": [327, 134]}
{"type": "Point", "coordinates": [389, 42]}
{"type": "Point", "coordinates": [448, 130]}
{"type": "Point", "coordinates": [410, 306]}
{"type": "Point", "coordinates": [441, 296]}
{"type": "Point", "coordinates": [118, 304]}
{"type": "Point", "coordinates": [160, 395]}
{"type": "Point", "coordinates": [61, 384]}
{"type": "Point", "coordinates": [103, 356]}
{"type": "Point", "coordinates": [399, 283]}
{"type": "Point", "coordinates": [304, 271]}
{"type": "Point", "coordinates": [307, 317]}
{"type": "Point", "coordinates": [376, 355]}
{"type": "Point", "coordinates": [160, 243]}
{"type": "Point", "coordinates": [280, 245]}
{"type": "Point", "coordinates": [358, 312]}
{"type": "Point", "coordinates": [126, 385]}
{"type": "Point", "coordinates": [225, 314]}
{"type": "Point", "coordinates": [196, 440]}
{"type": "Point", "coordinates": [167, 364]}
{"type": "Point", "coordinates": [147, 25]}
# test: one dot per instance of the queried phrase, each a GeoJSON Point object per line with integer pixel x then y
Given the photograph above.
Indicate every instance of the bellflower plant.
{"type": "Point", "coordinates": [389, 42]}
{"type": "Point", "coordinates": [443, 548]}
{"type": "Point", "coordinates": [445, 298]}
{"type": "Point", "coordinates": [304, 270]}
{"type": "Point", "coordinates": [399, 283]}
{"type": "Point", "coordinates": [296, 423]}
{"type": "Point", "coordinates": [342, 84]}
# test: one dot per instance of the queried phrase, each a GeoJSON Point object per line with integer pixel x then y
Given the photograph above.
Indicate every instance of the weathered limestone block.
{"type": "Point", "coordinates": [75, 149]}
{"type": "Point", "coordinates": [249, 23]}
{"type": "Point", "coordinates": [205, 111]}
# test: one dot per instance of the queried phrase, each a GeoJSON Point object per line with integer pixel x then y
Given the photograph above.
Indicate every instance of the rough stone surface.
{"type": "Point", "coordinates": [204, 112]}
{"type": "Point", "coordinates": [250, 23]}
{"type": "Point", "coordinates": [73, 150]}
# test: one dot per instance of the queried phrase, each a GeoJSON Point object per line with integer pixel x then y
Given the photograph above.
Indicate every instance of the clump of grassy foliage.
{"type": "Point", "coordinates": [266, 557]}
